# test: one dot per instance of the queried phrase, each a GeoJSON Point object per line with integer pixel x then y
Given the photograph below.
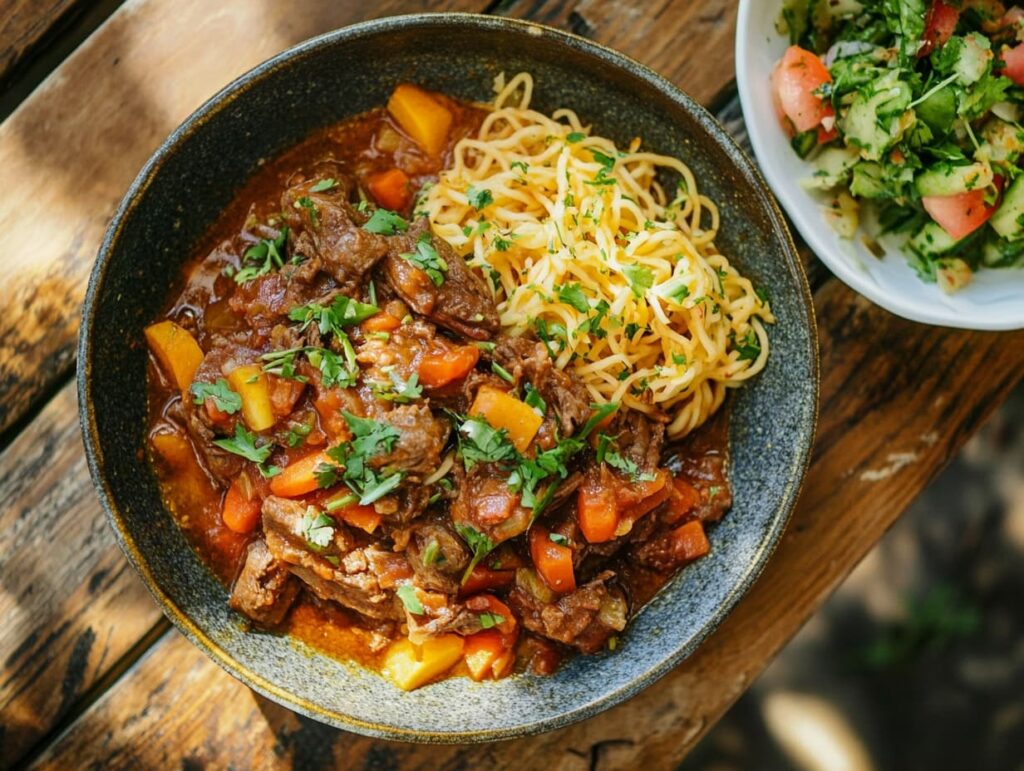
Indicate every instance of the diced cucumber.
{"type": "Point", "coordinates": [974, 60]}
{"type": "Point", "coordinates": [1002, 142]}
{"type": "Point", "coordinates": [938, 111]}
{"type": "Point", "coordinates": [1007, 219]}
{"type": "Point", "coordinates": [875, 180]}
{"type": "Point", "coordinates": [831, 168]}
{"type": "Point", "coordinates": [843, 214]}
{"type": "Point", "coordinates": [873, 122]}
{"type": "Point", "coordinates": [802, 144]}
{"type": "Point", "coordinates": [1000, 253]}
{"type": "Point", "coordinates": [932, 241]}
{"type": "Point", "coordinates": [946, 179]}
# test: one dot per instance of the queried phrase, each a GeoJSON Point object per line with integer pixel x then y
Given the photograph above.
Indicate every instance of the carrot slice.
{"type": "Point", "coordinates": [597, 513]}
{"type": "Point", "coordinates": [241, 511]}
{"type": "Point", "coordinates": [299, 477]}
{"type": "Point", "coordinates": [552, 560]}
{"type": "Point", "coordinates": [381, 322]}
{"type": "Point", "coordinates": [486, 655]}
{"type": "Point", "coordinates": [690, 541]}
{"type": "Point", "coordinates": [364, 517]}
{"type": "Point", "coordinates": [439, 369]}
{"type": "Point", "coordinates": [390, 189]}
{"type": "Point", "coordinates": [502, 410]}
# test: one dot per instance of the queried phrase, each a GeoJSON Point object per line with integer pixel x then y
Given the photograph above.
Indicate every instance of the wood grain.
{"type": "Point", "coordinates": [68, 152]}
{"type": "Point", "coordinates": [70, 603]}
{"type": "Point", "coordinates": [24, 23]}
{"type": "Point", "coordinates": [898, 399]}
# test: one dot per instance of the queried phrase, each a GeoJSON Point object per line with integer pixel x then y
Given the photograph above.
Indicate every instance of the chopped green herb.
{"type": "Point", "coordinates": [323, 185]}
{"type": "Point", "coordinates": [297, 434]}
{"type": "Point", "coordinates": [572, 294]}
{"type": "Point", "coordinates": [575, 136]}
{"type": "Point", "coordinates": [479, 543]}
{"type": "Point", "coordinates": [640, 277]}
{"type": "Point", "coordinates": [224, 399]}
{"type": "Point", "coordinates": [479, 198]}
{"type": "Point", "coordinates": [407, 594]}
{"type": "Point", "coordinates": [246, 445]}
{"type": "Point", "coordinates": [535, 400]}
{"type": "Point", "coordinates": [317, 529]}
{"type": "Point", "coordinates": [519, 165]}
{"type": "Point", "coordinates": [385, 223]}
{"type": "Point", "coordinates": [427, 259]}
{"type": "Point", "coordinates": [749, 346]}
{"type": "Point", "coordinates": [479, 442]}
{"type": "Point", "coordinates": [558, 538]}
{"type": "Point", "coordinates": [488, 620]}
{"type": "Point", "coordinates": [399, 390]}
{"type": "Point", "coordinates": [305, 202]}
{"type": "Point", "coordinates": [501, 372]}
{"type": "Point", "coordinates": [262, 258]}
{"type": "Point", "coordinates": [432, 554]}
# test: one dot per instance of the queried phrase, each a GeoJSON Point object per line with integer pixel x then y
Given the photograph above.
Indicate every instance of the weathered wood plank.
{"type": "Point", "coordinates": [898, 399]}
{"type": "Point", "coordinates": [70, 603]}
{"type": "Point", "coordinates": [69, 152]}
{"type": "Point", "coordinates": [24, 23]}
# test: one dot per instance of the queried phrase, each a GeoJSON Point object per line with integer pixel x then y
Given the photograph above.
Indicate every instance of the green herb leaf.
{"type": "Point", "coordinates": [245, 444]}
{"type": "Point", "coordinates": [479, 198]}
{"type": "Point", "coordinates": [224, 399]}
{"type": "Point", "coordinates": [427, 259]}
{"type": "Point", "coordinates": [262, 258]}
{"type": "Point", "coordinates": [305, 202]}
{"type": "Point", "coordinates": [558, 538]}
{"type": "Point", "coordinates": [385, 223]}
{"type": "Point", "coordinates": [489, 620]}
{"type": "Point", "coordinates": [478, 543]}
{"type": "Point", "coordinates": [535, 400]}
{"type": "Point", "coordinates": [431, 554]}
{"type": "Point", "coordinates": [572, 294]}
{"type": "Point", "coordinates": [323, 184]}
{"type": "Point", "coordinates": [501, 372]}
{"type": "Point", "coordinates": [317, 529]}
{"type": "Point", "coordinates": [575, 136]}
{"type": "Point", "coordinates": [332, 319]}
{"type": "Point", "coordinates": [640, 277]}
{"type": "Point", "coordinates": [479, 442]}
{"type": "Point", "coordinates": [407, 594]}
{"type": "Point", "coordinates": [749, 346]}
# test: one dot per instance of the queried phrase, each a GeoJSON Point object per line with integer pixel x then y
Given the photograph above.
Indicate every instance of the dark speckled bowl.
{"type": "Point", "coordinates": [194, 175]}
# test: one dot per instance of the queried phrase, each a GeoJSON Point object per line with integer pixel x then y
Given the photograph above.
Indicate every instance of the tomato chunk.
{"type": "Point", "coordinates": [1013, 58]}
{"type": "Point", "coordinates": [959, 215]}
{"type": "Point", "coordinates": [795, 82]}
{"type": "Point", "coordinates": [391, 189]}
{"type": "Point", "coordinates": [940, 24]}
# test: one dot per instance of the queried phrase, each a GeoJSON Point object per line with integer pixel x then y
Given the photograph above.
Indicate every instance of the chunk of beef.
{"type": "Point", "coordinates": [330, 228]}
{"type": "Point", "coordinates": [462, 303]}
{"type": "Point", "coordinates": [527, 359]}
{"type": "Point", "coordinates": [364, 581]}
{"type": "Point", "coordinates": [449, 555]}
{"type": "Point", "coordinates": [703, 461]}
{"type": "Point", "coordinates": [422, 436]}
{"type": "Point", "coordinates": [264, 589]}
{"type": "Point", "coordinates": [405, 505]}
{"type": "Point", "coordinates": [485, 503]}
{"type": "Point", "coordinates": [640, 439]}
{"type": "Point", "coordinates": [363, 578]}
{"type": "Point", "coordinates": [585, 618]}
{"type": "Point", "coordinates": [444, 615]}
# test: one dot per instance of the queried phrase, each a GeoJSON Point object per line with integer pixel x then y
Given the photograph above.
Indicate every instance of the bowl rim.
{"type": "Point", "coordinates": [814, 230]}
{"type": "Point", "coordinates": [223, 99]}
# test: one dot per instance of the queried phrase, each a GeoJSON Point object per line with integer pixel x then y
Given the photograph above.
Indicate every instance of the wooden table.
{"type": "Point", "coordinates": [93, 673]}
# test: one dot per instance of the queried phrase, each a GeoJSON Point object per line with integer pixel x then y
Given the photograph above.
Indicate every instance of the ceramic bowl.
{"type": "Point", "coordinates": [993, 300]}
{"type": "Point", "coordinates": [195, 173]}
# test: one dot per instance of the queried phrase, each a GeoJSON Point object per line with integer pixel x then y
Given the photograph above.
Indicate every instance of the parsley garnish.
{"type": "Point", "coordinates": [575, 136]}
{"type": "Point", "coordinates": [427, 259]}
{"type": "Point", "coordinates": [558, 538]}
{"type": "Point", "coordinates": [607, 452]}
{"type": "Point", "coordinates": [305, 202]}
{"type": "Point", "coordinates": [535, 400]}
{"type": "Point", "coordinates": [550, 331]}
{"type": "Point", "coordinates": [332, 319]}
{"type": "Point", "coordinates": [488, 620]}
{"type": "Point", "coordinates": [317, 529]}
{"type": "Point", "coordinates": [244, 443]}
{"type": "Point", "coordinates": [519, 165]}
{"type": "Point", "coordinates": [322, 185]}
{"type": "Point", "coordinates": [282, 364]}
{"type": "Point", "coordinates": [501, 244]}
{"type": "Point", "coordinates": [262, 258]}
{"type": "Point", "coordinates": [431, 554]}
{"type": "Point", "coordinates": [479, 198]}
{"type": "Point", "coordinates": [572, 294]}
{"type": "Point", "coordinates": [479, 442]}
{"type": "Point", "coordinates": [501, 372]}
{"type": "Point", "coordinates": [640, 278]}
{"type": "Point", "coordinates": [679, 359]}
{"type": "Point", "coordinates": [224, 399]}
{"type": "Point", "coordinates": [678, 293]}
{"type": "Point", "coordinates": [297, 434]}
{"type": "Point", "coordinates": [385, 223]}
{"type": "Point", "coordinates": [370, 439]}
{"type": "Point", "coordinates": [479, 543]}
{"type": "Point", "coordinates": [400, 391]}
{"type": "Point", "coordinates": [407, 594]}
{"type": "Point", "coordinates": [749, 346]}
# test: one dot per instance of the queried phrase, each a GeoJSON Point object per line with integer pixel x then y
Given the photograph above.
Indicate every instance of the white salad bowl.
{"type": "Point", "coordinates": [994, 300]}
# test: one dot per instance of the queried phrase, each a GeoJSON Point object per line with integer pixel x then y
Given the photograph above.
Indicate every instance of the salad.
{"type": "Point", "coordinates": [910, 112]}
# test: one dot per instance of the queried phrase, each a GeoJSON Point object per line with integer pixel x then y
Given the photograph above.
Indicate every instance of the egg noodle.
{"type": "Point", "coordinates": [582, 243]}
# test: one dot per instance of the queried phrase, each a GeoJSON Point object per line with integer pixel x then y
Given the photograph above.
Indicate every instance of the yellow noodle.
{"type": "Point", "coordinates": [561, 222]}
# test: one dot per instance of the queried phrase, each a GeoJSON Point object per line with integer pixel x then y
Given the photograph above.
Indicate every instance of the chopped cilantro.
{"type": "Point", "coordinates": [317, 529]}
{"type": "Point", "coordinates": [407, 594]}
{"type": "Point", "coordinates": [432, 553]}
{"type": "Point", "coordinates": [479, 442]}
{"type": "Point", "coordinates": [427, 259]}
{"type": "Point", "coordinates": [261, 258]}
{"type": "Point", "coordinates": [488, 620]}
{"type": "Point", "coordinates": [323, 185]}
{"type": "Point", "coordinates": [575, 136]}
{"type": "Point", "coordinates": [479, 543]}
{"type": "Point", "coordinates": [535, 400]}
{"type": "Point", "coordinates": [501, 372]}
{"type": "Point", "coordinates": [749, 346]}
{"type": "Point", "coordinates": [305, 202]}
{"type": "Point", "coordinates": [640, 277]}
{"type": "Point", "coordinates": [370, 440]}
{"type": "Point", "coordinates": [224, 399]}
{"type": "Point", "coordinates": [558, 538]}
{"type": "Point", "coordinates": [332, 319]}
{"type": "Point", "coordinates": [246, 445]}
{"type": "Point", "coordinates": [572, 294]}
{"type": "Point", "coordinates": [479, 198]}
{"type": "Point", "coordinates": [385, 223]}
